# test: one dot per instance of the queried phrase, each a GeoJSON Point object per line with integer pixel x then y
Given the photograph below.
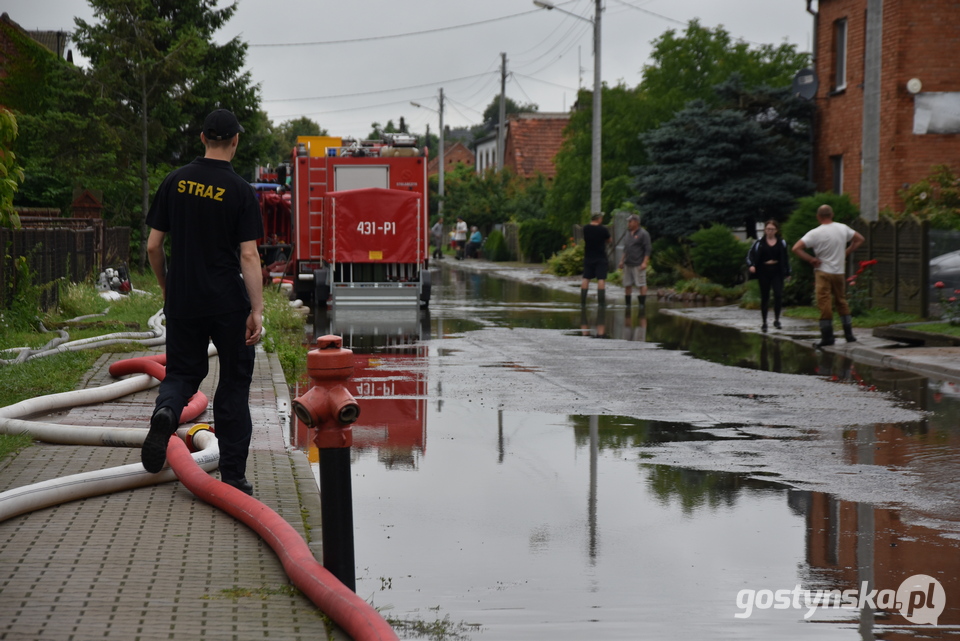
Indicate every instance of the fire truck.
{"type": "Point", "coordinates": [354, 231]}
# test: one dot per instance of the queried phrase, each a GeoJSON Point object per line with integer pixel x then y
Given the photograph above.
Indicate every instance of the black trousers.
{"type": "Point", "coordinates": [770, 279]}
{"type": "Point", "coordinates": [187, 366]}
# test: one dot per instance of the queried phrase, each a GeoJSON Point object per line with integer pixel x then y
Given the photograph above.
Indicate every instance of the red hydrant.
{"type": "Point", "coordinates": [331, 409]}
{"type": "Point", "coordinates": [328, 406]}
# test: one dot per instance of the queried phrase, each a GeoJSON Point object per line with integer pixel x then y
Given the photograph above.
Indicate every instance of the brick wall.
{"type": "Point", "coordinates": [921, 39]}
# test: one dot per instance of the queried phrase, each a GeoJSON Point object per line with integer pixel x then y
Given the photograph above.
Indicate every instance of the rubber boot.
{"type": "Point", "coordinates": [642, 299]}
{"type": "Point", "coordinates": [826, 334]}
{"type": "Point", "coordinates": [583, 297]}
{"type": "Point", "coordinates": [602, 297]}
{"type": "Point", "coordinates": [627, 299]}
{"type": "Point", "coordinates": [848, 329]}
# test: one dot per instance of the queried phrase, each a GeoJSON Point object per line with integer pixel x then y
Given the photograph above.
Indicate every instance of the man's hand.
{"type": "Point", "coordinates": [254, 327]}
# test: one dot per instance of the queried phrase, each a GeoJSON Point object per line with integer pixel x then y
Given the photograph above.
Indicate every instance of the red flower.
{"type": "Point", "coordinates": [939, 284]}
{"type": "Point", "coordinates": [952, 299]}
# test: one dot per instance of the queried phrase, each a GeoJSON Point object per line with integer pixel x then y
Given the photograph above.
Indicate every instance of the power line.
{"type": "Point", "coordinates": [395, 35]}
{"type": "Point", "coordinates": [520, 87]}
{"type": "Point", "coordinates": [546, 82]}
{"type": "Point", "coordinates": [353, 108]}
{"type": "Point", "coordinates": [683, 23]}
{"type": "Point", "coordinates": [378, 91]}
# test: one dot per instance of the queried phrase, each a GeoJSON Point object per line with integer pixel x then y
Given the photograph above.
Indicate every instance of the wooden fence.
{"type": "Point", "coordinates": [902, 250]}
{"type": "Point", "coordinates": [72, 252]}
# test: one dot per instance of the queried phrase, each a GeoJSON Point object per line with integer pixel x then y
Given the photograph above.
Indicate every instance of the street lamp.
{"type": "Point", "coordinates": [597, 84]}
{"type": "Point", "coordinates": [440, 159]}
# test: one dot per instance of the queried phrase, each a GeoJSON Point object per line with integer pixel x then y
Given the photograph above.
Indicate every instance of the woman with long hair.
{"type": "Point", "coordinates": [769, 262]}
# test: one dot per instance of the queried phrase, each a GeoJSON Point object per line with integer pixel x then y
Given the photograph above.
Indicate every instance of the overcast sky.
{"type": "Point", "coordinates": [347, 64]}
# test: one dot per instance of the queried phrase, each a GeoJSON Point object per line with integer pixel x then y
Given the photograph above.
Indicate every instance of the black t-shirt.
{"type": "Point", "coordinates": [595, 242]}
{"type": "Point", "coordinates": [208, 210]}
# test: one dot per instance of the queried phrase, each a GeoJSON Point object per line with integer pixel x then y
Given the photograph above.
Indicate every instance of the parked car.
{"type": "Point", "coordinates": [946, 269]}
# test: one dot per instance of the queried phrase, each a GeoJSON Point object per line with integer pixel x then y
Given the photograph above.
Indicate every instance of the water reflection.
{"type": "Point", "coordinates": [856, 546]}
{"type": "Point", "coordinates": [540, 526]}
{"type": "Point", "coordinates": [389, 381]}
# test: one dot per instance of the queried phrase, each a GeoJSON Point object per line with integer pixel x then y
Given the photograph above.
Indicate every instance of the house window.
{"type": "Point", "coordinates": [836, 170]}
{"type": "Point", "coordinates": [840, 54]}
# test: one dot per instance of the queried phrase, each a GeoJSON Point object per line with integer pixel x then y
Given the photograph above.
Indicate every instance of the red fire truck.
{"type": "Point", "coordinates": [358, 232]}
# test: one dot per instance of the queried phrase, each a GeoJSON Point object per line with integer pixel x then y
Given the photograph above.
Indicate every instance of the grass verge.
{"type": "Point", "coordinates": [875, 317]}
{"type": "Point", "coordinates": [63, 372]}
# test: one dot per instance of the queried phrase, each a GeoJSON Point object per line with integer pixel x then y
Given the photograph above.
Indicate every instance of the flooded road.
{"type": "Point", "coordinates": [517, 477]}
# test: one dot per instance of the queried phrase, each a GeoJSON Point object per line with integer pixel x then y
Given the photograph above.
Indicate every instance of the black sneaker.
{"type": "Point", "coordinates": [163, 425]}
{"type": "Point", "coordinates": [777, 324]}
{"type": "Point", "coordinates": [763, 328]}
{"type": "Point", "coordinates": [241, 484]}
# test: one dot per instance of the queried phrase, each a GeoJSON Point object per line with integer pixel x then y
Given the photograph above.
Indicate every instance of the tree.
{"type": "Point", "coordinates": [685, 67]}
{"type": "Point", "coordinates": [65, 140]}
{"type": "Point", "coordinates": [491, 115]}
{"type": "Point", "coordinates": [480, 200]}
{"type": "Point", "coordinates": [285, 137]}
{"type": "Point", "coordinates": [216, 79]}
{"type": "Point", "coordinates": [11, 175]}
{"type": "Point", "coordinates": [715, 166]}
{"type": "Point", "coordinates": [377, 131]}
{"type": "Point", "coordinates": [139, 62]}
{"type": "Point", "coordinates": [622, 118]}
{"type": "Point", "coordinates": [690, 66]}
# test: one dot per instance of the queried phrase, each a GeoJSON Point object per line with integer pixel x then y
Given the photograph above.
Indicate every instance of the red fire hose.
{"type": "Point", "coordinates": [155, 366]}
{"type": "Point", "coordinates": [357, 617]}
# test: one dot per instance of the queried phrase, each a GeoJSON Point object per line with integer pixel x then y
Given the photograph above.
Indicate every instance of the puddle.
{"type": "Point", "coordinates": [524, 525]}
{"type": "Point", "coordinates": [535, 526]}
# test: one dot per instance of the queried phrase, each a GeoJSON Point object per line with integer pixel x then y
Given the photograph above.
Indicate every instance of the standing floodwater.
{"type": "Point", "coordinates": [511, 522]}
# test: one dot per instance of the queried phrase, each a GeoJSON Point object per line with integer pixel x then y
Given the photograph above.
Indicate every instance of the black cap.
{"type": "Point", "coordinates": [221, 124]}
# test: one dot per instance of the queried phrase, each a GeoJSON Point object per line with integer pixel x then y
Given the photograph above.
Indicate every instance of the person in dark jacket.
{"type": "Point", "coordinates": [769, 263]}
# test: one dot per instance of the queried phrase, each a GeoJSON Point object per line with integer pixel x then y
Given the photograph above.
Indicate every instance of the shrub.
{"type": "Point", "coordinates": [495, 247]}
{"type": "Point", "coordinates": [718, 255]}
{"type": "Point", "coordinates": [539, 240]}
{"type": "Point", "coordinates": [670, 260]}
{"type": "Point", "coordinates": [567, 262]}
{"type": "Point", "coordinates": [935, 198]}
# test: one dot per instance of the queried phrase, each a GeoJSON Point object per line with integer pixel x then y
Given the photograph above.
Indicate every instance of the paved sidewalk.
{"type": "Point", "coordinates": [156, 562]}
{"type": "Point", "coordinates": [933, 362]}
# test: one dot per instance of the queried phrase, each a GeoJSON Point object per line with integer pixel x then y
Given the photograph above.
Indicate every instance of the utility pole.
{"type": "Point", "coordinates": [595, 177]}
{"type": "Point", "coordinates": [501, 133]}
{"type": "Point", "coordinates": [595, 174]}
{"type": "Point", "coordinates": [442, 166]}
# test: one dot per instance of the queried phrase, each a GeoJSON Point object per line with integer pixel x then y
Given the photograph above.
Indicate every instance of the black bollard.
{"type": "Point", "coordinates": [336, 498]}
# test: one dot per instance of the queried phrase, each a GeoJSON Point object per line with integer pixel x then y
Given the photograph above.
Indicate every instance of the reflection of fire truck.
{"type": "Point", "coordinates": [357, 233]}
{"type": "Point", "coordinates": [389, 382]}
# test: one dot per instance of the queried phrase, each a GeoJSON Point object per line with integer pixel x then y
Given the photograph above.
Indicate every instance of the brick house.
{"type": "Point", "coordinates": [888, 102]}
{"type": "Point", "coordinates": [531, 142]}
{"type": "Point", "coordinates": [452, 154]}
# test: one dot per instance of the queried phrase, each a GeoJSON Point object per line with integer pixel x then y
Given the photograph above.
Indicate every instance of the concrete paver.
{"type": "Point", "coordinates": [156, 562]}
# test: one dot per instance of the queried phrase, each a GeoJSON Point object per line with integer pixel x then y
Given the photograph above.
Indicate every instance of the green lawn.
{"type": "Point", "coordinates": [63, 372]}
